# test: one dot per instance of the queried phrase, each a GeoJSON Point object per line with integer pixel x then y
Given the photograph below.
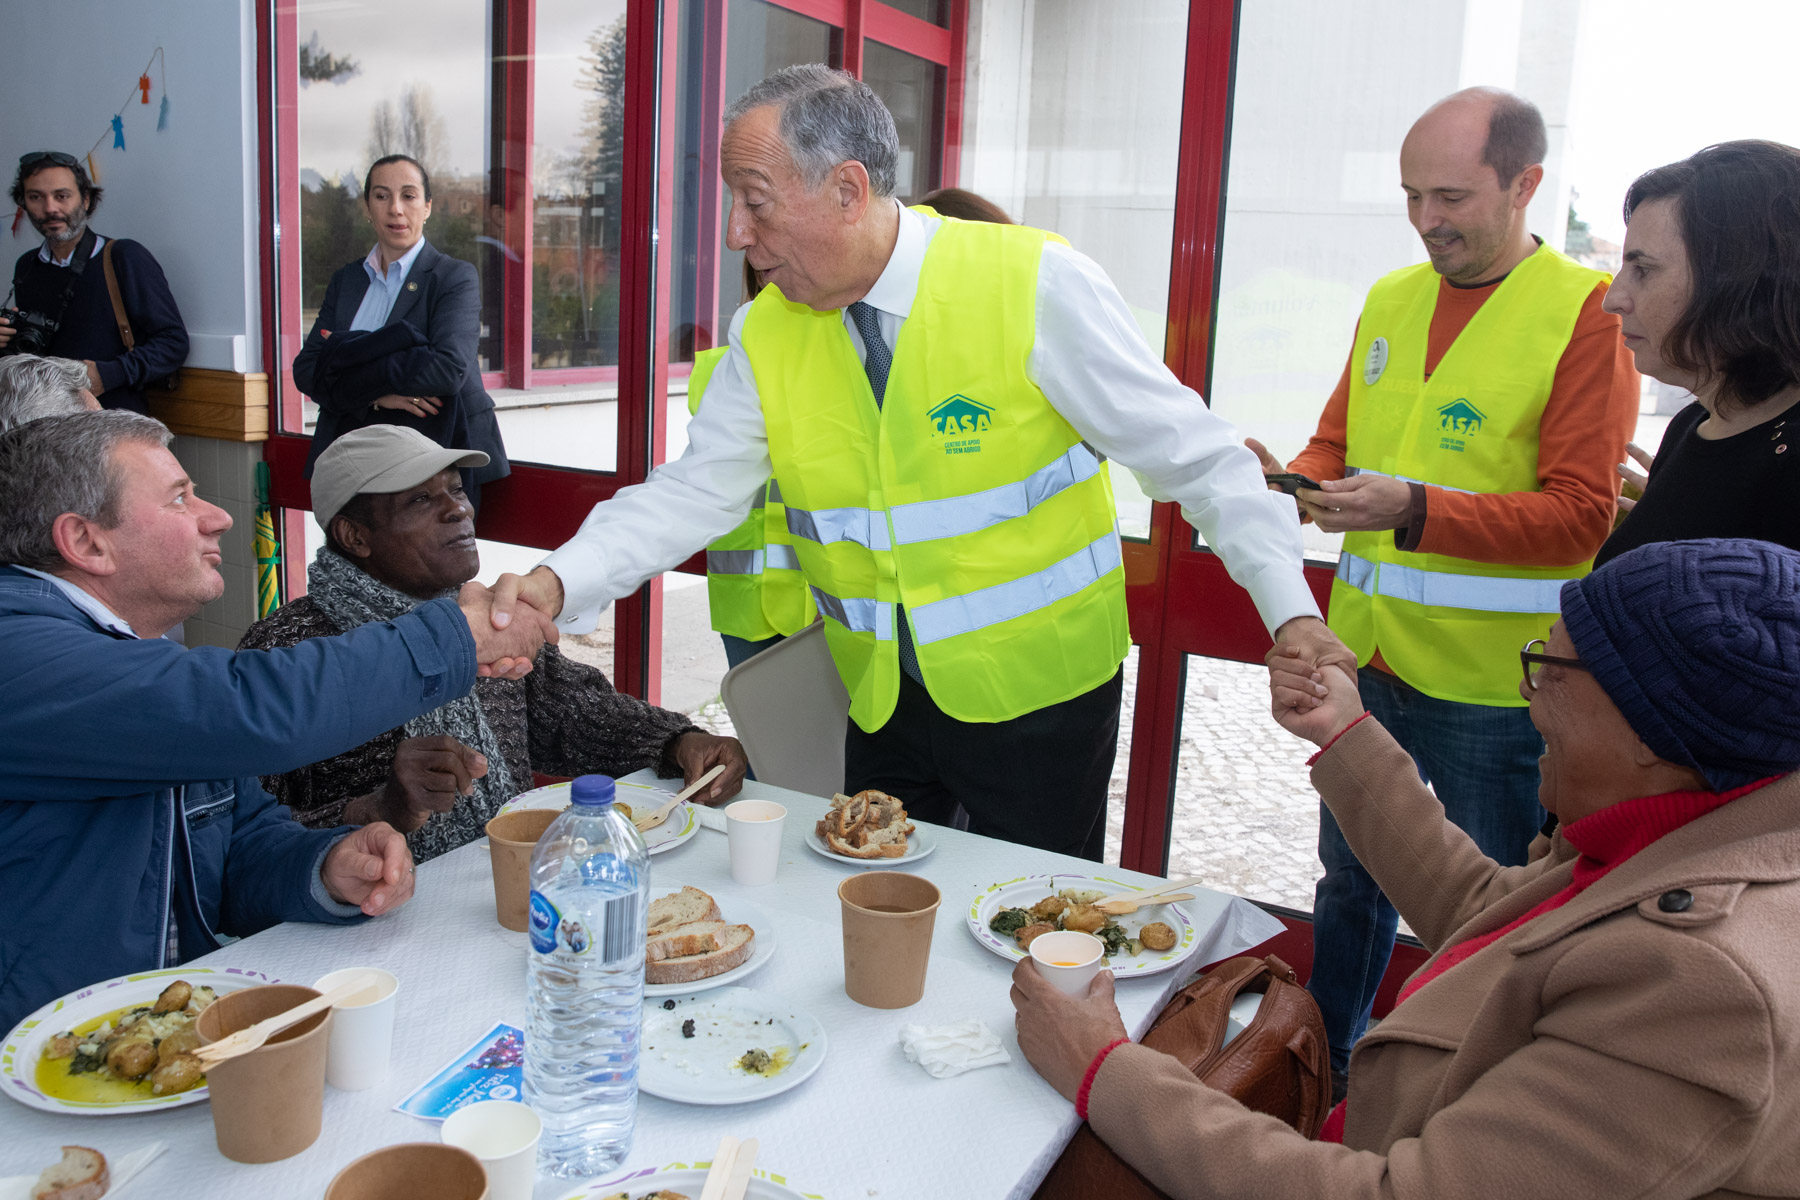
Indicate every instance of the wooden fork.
{"type": "Point", "coordinates": [662, 814]}
{"type": "Point", "coordinates": [246, 1040]}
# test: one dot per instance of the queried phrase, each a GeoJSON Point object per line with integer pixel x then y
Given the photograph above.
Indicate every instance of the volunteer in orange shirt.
{"type": "Point", "coordinates": [1488, 449]}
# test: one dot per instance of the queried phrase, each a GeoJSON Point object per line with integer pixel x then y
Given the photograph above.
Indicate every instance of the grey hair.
{"type": "Point", "coordinates": [33, 387]}
{"type": "Point", "coordinates": [58, 465]}
{"type": "Point", "coordinates": [828, 117]}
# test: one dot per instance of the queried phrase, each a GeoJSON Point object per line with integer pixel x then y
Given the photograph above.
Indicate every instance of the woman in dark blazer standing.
{"type": "Point", "coordinates": [395, 340]}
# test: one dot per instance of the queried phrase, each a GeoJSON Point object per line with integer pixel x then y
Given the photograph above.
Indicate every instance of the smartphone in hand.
{"type": "Point", "coordinates": [1291, 483]}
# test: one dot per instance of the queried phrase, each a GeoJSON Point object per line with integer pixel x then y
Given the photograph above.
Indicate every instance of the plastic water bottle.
{"type": "Point", "coordinates": [590, 899]}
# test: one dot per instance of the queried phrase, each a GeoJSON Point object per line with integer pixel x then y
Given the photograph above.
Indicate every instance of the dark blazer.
{"type": "Point", "coordinates": [442, 300]}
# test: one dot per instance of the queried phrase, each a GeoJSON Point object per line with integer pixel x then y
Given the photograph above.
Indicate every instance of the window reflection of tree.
{"type": "Point", "coordinates": [575, 281]}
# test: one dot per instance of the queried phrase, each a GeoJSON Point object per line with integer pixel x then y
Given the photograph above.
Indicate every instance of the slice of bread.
{"type": "Point", "coordinates": [682, 941]}
{"type": "Point", "coordinates": [685, 907]}
{"type": "Point", "coordinates": [81, 1175]}
{"type": "Point", "coordinates": [736, 944]}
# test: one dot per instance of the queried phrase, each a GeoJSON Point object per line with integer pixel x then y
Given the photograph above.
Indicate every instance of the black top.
{"type": "Point", "coordinates": [1736, 487]}
{"type": "Point", "coordinates": [442, 301]}
{"type": "Point", "coordinates": [89, 330]}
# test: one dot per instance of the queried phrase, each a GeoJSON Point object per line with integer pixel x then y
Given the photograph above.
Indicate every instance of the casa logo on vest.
{"type": "Point", "coordinates": [959, 419]}
{"type": "Point", "coordinates": [1457, 422]}
{"type": "Point", "coordinates": [1375, 364]}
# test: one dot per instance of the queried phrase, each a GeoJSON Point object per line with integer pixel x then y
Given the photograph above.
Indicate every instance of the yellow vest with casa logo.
{"type": "Point", "coordinates": [1453, 627]}
{"type": "Point", "coordinates": [753, 584]}
{"type": "Point", "coordinates": [965, 497]}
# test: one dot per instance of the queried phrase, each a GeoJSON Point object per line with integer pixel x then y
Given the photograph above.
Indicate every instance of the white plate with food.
{"type": "Point", "coordinates": [729, 1046]}
{"type": "Point", "coordinates": [684, 1181]}
{"type": "Point", "coordinates": [869, 829]}
{"type": "Point", "coordinates": [1163, 935]}
{"type": "Point", "coordinates": [83, 1075]}
{"type": "Point", "coordinates": [694, 945]}
{"type": "Point", "coordinates": [636, 798]}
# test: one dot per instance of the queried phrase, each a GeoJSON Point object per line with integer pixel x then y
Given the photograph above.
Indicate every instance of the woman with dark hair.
{"type": "Point", "coordinates": [395, 340]}
{"type": "Point", "coordinates": [1709, 300]}
{"type": "Point", "coordinates": [965, 205]}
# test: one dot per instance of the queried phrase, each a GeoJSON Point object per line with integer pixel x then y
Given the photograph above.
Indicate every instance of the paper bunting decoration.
{"type": "Point", "coordinates": [162, 114]}
{"type": "Point", "coordinates": [18, 215]}
{"type": "Point", "coordinates": [144, 87]}
{"type": "Point", "coordinates": [118, 126]}
{"type": "Point", "coordinates": [93, 170]}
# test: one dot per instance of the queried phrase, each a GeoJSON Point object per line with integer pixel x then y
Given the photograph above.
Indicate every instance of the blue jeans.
{"type": "Point", "coordinates": [1481, 761]}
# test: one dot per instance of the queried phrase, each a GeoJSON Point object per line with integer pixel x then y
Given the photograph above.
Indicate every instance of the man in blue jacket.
{"type": "Point", "coordinates": [133, 831]}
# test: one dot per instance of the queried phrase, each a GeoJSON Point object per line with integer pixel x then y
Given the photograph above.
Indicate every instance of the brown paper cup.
{"type": "Point", "coordinates": [887, 936]}
{"type": "Point", "coordinates": [511, 838]}
{"type": "Point", "coordinates": [266, 1104]}
{"type": "Point", "coordinates": [414, 1171]}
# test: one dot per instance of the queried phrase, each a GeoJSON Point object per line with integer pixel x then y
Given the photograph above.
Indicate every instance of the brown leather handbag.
{"type": "Point", "coordinates": [1278, 1065]}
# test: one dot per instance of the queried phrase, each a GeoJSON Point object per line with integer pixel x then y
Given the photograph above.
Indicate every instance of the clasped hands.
{"type": "Point", "coordinates": [506, 641]}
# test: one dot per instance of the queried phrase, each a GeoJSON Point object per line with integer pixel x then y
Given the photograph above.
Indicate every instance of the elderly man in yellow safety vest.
{"type": "Point", "coordinates": [1468, 458]}
{"type": "Point", "coordinates": [935, 399]}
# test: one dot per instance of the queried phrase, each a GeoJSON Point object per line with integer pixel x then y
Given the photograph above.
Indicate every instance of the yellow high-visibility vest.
{"type": "Point", "coordinates": [966, 497]}
{"type": "Point", "coordinates": [1453, 627]}
{"type": "Point", "coordinates": [753, 584]}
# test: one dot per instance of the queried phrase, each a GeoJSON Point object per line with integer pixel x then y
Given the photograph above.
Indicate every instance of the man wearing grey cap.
{"type": "Point", "coordinates": [400, 532]}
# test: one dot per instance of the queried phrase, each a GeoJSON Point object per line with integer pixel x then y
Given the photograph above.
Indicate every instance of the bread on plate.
{"type": "Point", "coordinates": [688, 939]}
{"type": "Point", "coordinates": [81, 1175]}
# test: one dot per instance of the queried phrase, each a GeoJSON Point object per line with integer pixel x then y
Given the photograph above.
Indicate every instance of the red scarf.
{"type": "Point", "coordinates": [1606, 839]}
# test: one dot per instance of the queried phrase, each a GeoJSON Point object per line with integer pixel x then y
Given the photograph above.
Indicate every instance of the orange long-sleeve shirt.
{"type": "Point", "coordinates": [1591, 413]}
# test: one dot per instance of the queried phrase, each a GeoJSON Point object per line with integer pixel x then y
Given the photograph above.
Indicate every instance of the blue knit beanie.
{"type": "Point", "coordinates": [1698, 643]}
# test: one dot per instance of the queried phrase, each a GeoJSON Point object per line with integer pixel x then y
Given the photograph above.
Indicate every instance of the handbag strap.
{"type": "Point", "coordinates": [118, 301]}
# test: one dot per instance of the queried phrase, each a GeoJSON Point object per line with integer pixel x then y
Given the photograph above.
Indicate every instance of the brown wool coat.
{"type": "Point", "coordinates": [1605, 1049]}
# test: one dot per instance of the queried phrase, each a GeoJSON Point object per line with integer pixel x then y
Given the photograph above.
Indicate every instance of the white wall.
{"type": "Point", "coordinates": [189, 193]}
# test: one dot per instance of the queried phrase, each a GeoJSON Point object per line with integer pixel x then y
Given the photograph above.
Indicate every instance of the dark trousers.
{"type": "Point", "coordinates": [1039, 780]}
{"type": "Point", "coordinates": [1482, 762]}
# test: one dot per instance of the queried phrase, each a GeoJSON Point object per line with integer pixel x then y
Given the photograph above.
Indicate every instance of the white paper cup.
{"type": "Point", "coordinates": [1069, 960]}
{"type": "Point", "coordinates": [753, 828]}
{"type": "Point", "coordinates": [503, 1134]}
{"type": "Point", "coordinates": [362, 1030]}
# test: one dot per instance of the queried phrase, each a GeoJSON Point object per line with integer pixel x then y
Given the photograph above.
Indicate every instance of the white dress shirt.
{"type": "Point", "coordinates": [1091, 362]}
{"type": "Point", "coordinates": [384, 286]}
{"type": "Point", "coordinates": [44, 254]}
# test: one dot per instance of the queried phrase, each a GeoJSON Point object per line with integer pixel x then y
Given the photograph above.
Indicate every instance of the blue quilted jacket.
{"type": "Point", "coordinates": [132, 824]}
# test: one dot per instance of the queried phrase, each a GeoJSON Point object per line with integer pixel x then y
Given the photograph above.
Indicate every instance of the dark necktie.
{"type": "Point", "coordinates": [877, 358]}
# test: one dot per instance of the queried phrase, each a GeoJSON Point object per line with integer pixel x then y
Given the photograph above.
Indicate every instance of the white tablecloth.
{"type": "Point", "coordinates": [868, 1124]}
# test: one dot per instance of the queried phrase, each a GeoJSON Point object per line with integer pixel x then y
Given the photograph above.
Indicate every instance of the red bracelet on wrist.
{"type": "Point", "coordinates": [1334, 737]}
{"type": "Point", "coordinates": [1087, 1081]}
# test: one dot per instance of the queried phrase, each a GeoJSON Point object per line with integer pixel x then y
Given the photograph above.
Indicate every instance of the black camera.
{"type": "Point", "coordinates": [31, 331]}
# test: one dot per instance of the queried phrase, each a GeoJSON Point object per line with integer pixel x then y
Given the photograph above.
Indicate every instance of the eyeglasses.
{"type": "Point", "coordinates": [1533, 662]}
{"type": "Point", "coordinates": [51, 156]}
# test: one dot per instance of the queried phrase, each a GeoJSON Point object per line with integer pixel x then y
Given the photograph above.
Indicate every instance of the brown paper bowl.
{"type": "Point", "coordinates": [885, 953]}
{"type": "Point", "coordinates": [266, 1105]}
{"type": "Point", "coordinates": [414, 1171]}
{"type": "Point", "coordinates": [511, 838]}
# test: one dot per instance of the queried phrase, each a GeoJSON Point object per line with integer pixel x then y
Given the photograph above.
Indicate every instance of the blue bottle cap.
{"type": "Point", "coordinates": [595, 791]}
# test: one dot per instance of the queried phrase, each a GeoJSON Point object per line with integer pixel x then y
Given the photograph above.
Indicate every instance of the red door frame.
{"type": "Point", "coordinates": [1182, 603]}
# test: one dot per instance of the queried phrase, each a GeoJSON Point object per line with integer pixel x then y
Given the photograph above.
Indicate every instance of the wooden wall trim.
{"type": "Point", "coordinates": [216, 404]}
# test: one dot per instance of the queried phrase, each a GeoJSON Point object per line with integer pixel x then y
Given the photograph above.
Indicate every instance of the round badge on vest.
{"type": "Point", "coordinates": [1376, 362]}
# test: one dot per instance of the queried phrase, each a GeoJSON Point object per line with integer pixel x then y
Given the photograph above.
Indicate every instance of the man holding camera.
{"type": "Point", "coordinates": [100, 301]}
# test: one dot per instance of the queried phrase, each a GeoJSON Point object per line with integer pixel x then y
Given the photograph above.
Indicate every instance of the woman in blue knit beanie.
{"type": "Point", "coordinates": [1620, 1016]}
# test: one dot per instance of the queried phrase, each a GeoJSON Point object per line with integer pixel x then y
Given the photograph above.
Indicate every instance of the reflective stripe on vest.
{"type": "Point", "coordinates": [858, 614]}
{"type": "Point", "coordinates": [1353, 472]}
{"type": "Point", "coordinates": [751, 562]}
{"type": "Point", "coordinates": [955, 615]}
{"type": "Point", "coordinates": [867, 527]}
{"type": "Point", "coordinates": [954, 516]}
{"type": "Point", "coordinates": [1439, 589]}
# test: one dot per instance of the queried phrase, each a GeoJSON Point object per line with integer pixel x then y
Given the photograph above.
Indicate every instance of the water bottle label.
{"type": "Point", "coordinates": [547, 928]}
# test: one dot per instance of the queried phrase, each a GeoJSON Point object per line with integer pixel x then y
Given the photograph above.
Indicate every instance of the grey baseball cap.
{"type": "Point", "coordinates": [379, 458]}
